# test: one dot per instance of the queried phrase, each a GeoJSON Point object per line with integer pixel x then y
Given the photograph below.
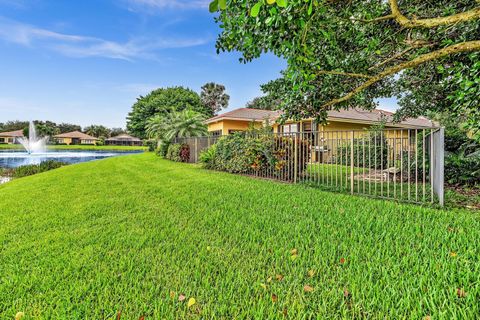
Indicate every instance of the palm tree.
{"type": "Point", "coordinates": [186, 123]}
{"type": "Point", "coordinates": [213, 95]}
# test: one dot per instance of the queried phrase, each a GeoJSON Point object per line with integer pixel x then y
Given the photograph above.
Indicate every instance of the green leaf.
{"type": "Point", "coordinates": [256, 9]}
{"type": "Point", "coordinates": [310, 8]}
{"type": "Point", "coordinates": [222, 4]}
{"type": "Point", "coordinates": [282, 3]}
{"type": "Point", "coordinates": [213, 7]}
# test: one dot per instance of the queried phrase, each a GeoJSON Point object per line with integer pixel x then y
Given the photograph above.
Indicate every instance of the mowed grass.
{"type": "Point", "coordinates": [132, 233]}
{"type": "Point", "coordinates": [78, 147]}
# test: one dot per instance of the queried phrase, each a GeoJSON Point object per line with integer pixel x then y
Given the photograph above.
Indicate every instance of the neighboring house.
{"type": "Point", "coordinates": [74, 138]}
{"type": "Point", "coordinates": [344, 120]}
{"type": "Point", "coordinates": [123, 140]}
{"type": "Point", "coordinates": [11, 137]}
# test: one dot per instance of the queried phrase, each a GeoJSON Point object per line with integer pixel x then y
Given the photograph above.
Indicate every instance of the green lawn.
{"type": "Point", "coordinates": [133, 233]}
{"type": "Point", "coordinates": [76, 147]}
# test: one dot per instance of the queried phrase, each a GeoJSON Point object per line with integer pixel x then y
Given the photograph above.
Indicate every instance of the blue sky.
{"type": "Point", "coordinates": [86, 61]}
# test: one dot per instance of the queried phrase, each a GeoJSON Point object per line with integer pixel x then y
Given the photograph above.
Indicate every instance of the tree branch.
{"type": "Point", "coordinates": [423, 23]}
{"type": "Point", "coordinates": [469, 46]}
{"type": "Point", "coordinates": [347, 74]}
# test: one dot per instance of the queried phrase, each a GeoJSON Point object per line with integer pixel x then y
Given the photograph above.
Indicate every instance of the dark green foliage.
{"type": "Point", "coordinates": [178, 152]}
{"type": "Point", "coordinates": [29, 170]}
{"type": "Point", "coordinates": [333, 47]}
{"type": "Point", "coordinates": [151, 145]}
{"type": "Point", "coordinates": [371, 151]}
{"type": "Point", "coordinates": [162, 102]}
{"type": "Point", "coordinates": [13, 125]}
{"type": "Point", "coordinates": [162, 148]}
{"type": "Point", "coordinates": [463, 166]}
{"type": "Point", "coordinates": [258, 153]}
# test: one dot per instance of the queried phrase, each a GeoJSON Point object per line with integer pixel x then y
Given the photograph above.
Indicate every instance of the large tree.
{"type": "Point", "coordinates": [349, 53]}
{"type": "Point", "coordinates": [271, 99]}
{"type": "Point", "coordinates": [213, 95]}
{"type": "Point", "coordinates": [97, 131]}
{"type": "Point", "coordinates": [162, 102]}
{"type": "Point", "coordinates": [68, 127]}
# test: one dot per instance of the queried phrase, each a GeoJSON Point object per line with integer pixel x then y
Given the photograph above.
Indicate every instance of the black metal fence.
{"type": "Point", "coordinates": [399, 164]}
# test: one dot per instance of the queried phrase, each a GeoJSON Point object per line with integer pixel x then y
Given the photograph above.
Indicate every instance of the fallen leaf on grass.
{"type": "Point", "coordinates": [307, 288]}
{"type": "Point", "coordinates": [461, 293]}
{"type": "Point", "coordinates": [269, 279]}
{"type": "Point", "coordinates": [342, 260]}
{"type": "Point", "coordinates": [172, 294]}
{"type": "Point", "coordinates": [346, 293]}
{"type": "Point", "coordinates": [141, 318]}
{"type": "Point", "coordinates": [191, 302]}
{"type": "Point", "coordinates": [279, 277]}
{"type": "Point", "coordinates": [285, 312]}
{"type": "Point", "coordinates": [311, 273]}
{"type": "Point", "coordinates": [453, 254]}
{"type": "Point", "coordinates": [19, 315]}
{"type": "Point", "coordinates": [294, 252]}
{"type": "Point", "coordinates": [293, 257]}
{"type": "Point", "coordinates": [427, 318]}
{"type": "Point", "coordinates": [181, 298]}
{"type": "Point", "coordinates": [274, 298]}
{"type": "Point", "coordinates": [119, 315]}
{"type": "Point", "coordinates": [263, 285]}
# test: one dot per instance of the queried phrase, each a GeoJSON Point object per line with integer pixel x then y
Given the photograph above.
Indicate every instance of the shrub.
{"type": "Point", "coordinates": [29, 170]}
{"type": "Point", "coordinates": [208, 157]}
{"type": "Point", "coordinates": [162, 148]}
{"type": "Point", "coordinates": [151, 144]}
{"type": "Point", "coordinates": [178, 152]}
{"type": "Point", "coordinates": [261, 154]}
{"type": "Point", "coordinates": [463, 168]}
{"type": "Point", "coordinates": [375, 147]}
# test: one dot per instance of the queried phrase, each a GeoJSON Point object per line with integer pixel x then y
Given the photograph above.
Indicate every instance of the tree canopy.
{"type": "Point", "coordinates": [162, 102]}
{"type": "Point", "coordinates": [213, 95]}
{"type": "Point", "coordinates": [350, 53]}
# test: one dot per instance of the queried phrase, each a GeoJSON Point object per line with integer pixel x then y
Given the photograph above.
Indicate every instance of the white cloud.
{"type": "Point", "coordinates": [79, 46]}
{"type": "Point", "coordinates": [164, 4]}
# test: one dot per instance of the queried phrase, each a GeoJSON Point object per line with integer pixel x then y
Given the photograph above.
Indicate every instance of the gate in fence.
{"type": "Point", "coordinates": [399, 164]}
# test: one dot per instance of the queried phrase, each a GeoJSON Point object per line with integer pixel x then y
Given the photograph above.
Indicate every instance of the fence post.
{"type": "Point", "coordinates": [438, 174]}
{"type": "Point", "coordinates": [295, 161]}
{"type": "Point", "coordinates": [352, 163]}
{"type": "Point", "coordinates": [196, 149]}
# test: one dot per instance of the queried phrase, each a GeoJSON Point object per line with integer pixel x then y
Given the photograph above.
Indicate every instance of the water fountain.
{"type": "Point", "coordinates": [34, 144]}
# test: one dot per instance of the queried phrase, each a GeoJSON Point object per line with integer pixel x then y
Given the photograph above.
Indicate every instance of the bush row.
{"type": "Point", "coordinates": [261, 154]}
{"type": "Point", "coordinates": [32, 169]}
{"type": "Point", "coordinates": [178, 152]}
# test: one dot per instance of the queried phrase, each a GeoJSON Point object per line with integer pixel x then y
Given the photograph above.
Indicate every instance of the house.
{"type": "Point", "coordinates": [11, 137]}
{"type": "Point", "coordinates": [343, 125]}
{"type": "Point", "coordinates": [343, 120]}
{"type": "Point", "coordinates": [74, 138]}
{"type": "Point", "coordinates": [124, 140]}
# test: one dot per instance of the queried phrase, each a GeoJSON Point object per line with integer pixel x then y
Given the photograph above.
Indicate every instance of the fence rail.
{"type": "Point", "coordinates": [400, 164]}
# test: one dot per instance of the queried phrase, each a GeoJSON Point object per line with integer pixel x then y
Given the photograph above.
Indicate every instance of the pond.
{"type": "Point", "coordinates": [13, 159]}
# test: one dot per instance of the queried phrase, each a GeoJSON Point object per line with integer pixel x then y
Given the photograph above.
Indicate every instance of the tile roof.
{"type": "Point", "coordinates": [354, 114]}
{"type": "Point", "coordinates": [75, 135]}
{"type": "Point", "coordinates": [246, 114]}
{"type": "Point", "coordinates": [18, 133]}
{"type": "Point", "coordinates": [124, 137]}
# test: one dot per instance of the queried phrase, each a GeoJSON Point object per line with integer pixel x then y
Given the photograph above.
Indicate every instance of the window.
{"type": "Point", "coordinates": [289, 128]}
{"type": "Point", "coordinates": [233, 131]}
{"type": "Point", "coordinates": [216, 133]}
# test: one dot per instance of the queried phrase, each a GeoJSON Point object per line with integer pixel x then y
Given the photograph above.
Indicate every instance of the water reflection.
{"type": "Point", "coordinates": [13, 159]}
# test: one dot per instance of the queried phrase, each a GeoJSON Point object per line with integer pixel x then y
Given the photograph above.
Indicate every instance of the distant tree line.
{"type": "Point", "coordinates": [50, 128]}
